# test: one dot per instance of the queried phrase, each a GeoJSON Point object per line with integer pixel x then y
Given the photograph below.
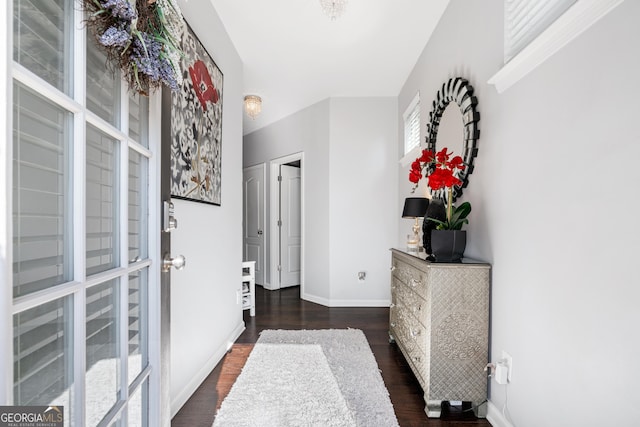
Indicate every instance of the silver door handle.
{"type": "Point", "coordinates": [178, 262]}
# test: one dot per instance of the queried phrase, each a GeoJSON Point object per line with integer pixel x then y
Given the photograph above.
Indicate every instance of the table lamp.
{"type": "Point", "coordinates": [414, 207]}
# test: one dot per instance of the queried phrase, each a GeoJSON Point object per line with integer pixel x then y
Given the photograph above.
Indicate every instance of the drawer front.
{"type": "Point", "coordinates": [416, 362]}
{"type": "Point", "coordinates": [393, 320]}
{"type": "Point", "coordinates": [410, 336]}
{"type": "Point", "coordinates": [402, 326]}
{"type": "Point", "coordinates": [411, 300]}
{"type": "Point", "coordinates": [415, 279]}
{"type": "Point", "coordinates": [419, 362]}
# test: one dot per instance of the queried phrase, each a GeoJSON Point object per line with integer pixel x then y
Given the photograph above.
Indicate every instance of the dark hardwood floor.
{"type": "Point", "coordinates": [284, 309]}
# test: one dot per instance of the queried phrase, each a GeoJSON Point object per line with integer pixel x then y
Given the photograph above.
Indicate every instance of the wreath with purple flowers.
{"type": "Point", "coordinates": [140, 39]}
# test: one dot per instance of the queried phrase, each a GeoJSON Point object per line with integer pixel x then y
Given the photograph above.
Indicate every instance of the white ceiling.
{"type": "Point", "coordinates": [295, 56]}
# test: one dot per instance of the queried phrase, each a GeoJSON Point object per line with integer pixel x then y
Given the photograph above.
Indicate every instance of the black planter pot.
{"type": "Point", "coordinates": [448, 245]}
{"type": "Point", "coordinates": [436, 210]}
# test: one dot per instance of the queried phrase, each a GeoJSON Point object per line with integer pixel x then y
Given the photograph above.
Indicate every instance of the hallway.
{"type": "Point", "coordinates": [284, 309]}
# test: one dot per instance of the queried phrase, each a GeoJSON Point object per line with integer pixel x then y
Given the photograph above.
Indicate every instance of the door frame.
{"type": "Point", "coordinates": [274, 207]}
{"type": "Point", "coordinates": [266, 234]}
{"type": "Point", "coordinates": [6, 199]}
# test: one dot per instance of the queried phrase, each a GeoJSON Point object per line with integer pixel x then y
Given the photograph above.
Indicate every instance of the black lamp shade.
{"type": "Point", "coordinates": [415, 207]}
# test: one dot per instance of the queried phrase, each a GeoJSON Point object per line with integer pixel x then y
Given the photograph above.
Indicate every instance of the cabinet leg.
{"type": "Point", "coordinates": [433, 408]}
{"type": "Point", "coordinates": [480, 410]}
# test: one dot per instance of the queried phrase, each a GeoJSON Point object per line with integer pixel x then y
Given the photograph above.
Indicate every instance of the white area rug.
{"type": "Point", "coordinates": [319, 378]}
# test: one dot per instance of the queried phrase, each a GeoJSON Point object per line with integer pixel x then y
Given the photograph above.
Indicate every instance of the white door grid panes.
{"type": "Point", "coordinates": [80, 250]}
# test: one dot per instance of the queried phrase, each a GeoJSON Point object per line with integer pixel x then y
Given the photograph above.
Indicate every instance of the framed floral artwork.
{"type": "Point", "coordinates": [196, 125]}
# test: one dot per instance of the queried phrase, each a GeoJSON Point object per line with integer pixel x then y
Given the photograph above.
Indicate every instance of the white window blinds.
{"type": "Point", "coordinates": [412, 125]}
{"type": "Point", "coordinates": [524, 20]}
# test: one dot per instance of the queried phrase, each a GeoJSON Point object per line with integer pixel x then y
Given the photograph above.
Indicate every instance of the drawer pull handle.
{"type": "Point", "coordinates": [393, 268]}
{"type": "Point", "coordinates": [414, 334]}
{"type": "Point", "coordinates": [417, 359]}
{"type": "Point", "coordinates": [393, 325]}
{"type": "Point", "coordinates": [414, 282]}
{"type": "Point", "coordinates": [392, 305]}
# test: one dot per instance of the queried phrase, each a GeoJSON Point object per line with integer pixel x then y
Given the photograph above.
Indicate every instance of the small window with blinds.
{"type": "Point", "coordinates": [138, 323]}
{"type": "Point", "coordinates": [103, 85]}
{"type": "Point", "coordinates": [102, 219]}
{"type": "Point", "coordinates": [412, 125]}
{"type": "Point", "coordinates": [43, 354]}
{"type": "Point", "coordinates": [42, 254]}
{"type": "Point", "coordinates": [138, 210]}
{"type": "Point", "coordinates": [42, 41]}
{"type": "Point", "coordinates": [139, 119]}
{"type": "Point", "coordinates": [524, 20]}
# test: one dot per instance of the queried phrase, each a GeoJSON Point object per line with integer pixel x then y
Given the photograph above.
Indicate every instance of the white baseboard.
{"type": "Point", "coordinates": [345, 302]}
{"type": "Point", "coordinates": [315, 299]}
{"type": "Point", "coordinates": [268, 287]}
{"type": "Point", "coordinates": [184, 395]}
{"type": "Point", "coordinates": [495, 417]}
{"type": "Point", "coordinates": [359, 303]}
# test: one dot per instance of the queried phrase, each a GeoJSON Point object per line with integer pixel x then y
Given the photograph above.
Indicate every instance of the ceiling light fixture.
{"type": "Point", "coordinates": [252, 105]}
{"type": "Point", "coordinates": [333, 8]}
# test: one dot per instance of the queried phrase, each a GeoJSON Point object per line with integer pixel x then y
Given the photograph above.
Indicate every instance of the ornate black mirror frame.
{"type": "Point", "coordinates": [459, 91]}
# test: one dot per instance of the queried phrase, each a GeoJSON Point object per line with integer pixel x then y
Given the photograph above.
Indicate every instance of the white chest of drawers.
{"type": "Point", "coordinates": [439, 318]}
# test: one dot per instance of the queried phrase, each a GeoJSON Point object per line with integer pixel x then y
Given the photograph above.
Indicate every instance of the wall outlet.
{"type": "Point", "coordinates": [508, 361]}
{"type": "Point", "coordinates": [362, 275]}
{"type": "Point", "coordinates": [500, 373]}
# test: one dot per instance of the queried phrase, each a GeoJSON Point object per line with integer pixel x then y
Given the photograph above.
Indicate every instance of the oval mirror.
{"type": "Point", "coordinates": [450, 133]}
{"type": "Point", "coordinates": [453, 123]}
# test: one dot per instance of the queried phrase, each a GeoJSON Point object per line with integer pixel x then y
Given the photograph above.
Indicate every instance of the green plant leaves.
{"type": "Point", "coordinates": [457, 220]}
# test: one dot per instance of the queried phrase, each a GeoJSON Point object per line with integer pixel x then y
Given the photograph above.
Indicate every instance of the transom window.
{"type": "Point", "coordinates": [411, 118]}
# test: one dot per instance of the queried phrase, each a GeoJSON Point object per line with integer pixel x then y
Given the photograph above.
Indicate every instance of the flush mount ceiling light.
{"type": "Point", "coordinates": [333, 8]}
{"type": "Point", "coordinates": [252, 105]}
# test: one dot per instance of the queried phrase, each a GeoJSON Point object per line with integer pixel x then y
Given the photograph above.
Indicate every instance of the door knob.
{"type": "Point", "coordinates": [178, 262]}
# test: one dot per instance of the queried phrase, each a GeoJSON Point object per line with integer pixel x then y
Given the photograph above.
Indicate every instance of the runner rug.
{"type": "Point", "coordinates": [326, 378]}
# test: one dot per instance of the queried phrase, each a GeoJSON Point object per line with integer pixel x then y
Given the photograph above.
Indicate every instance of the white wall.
{"type": "Point", "coordinates": [347, 144]}
{"type": "Point", "coordinates": [362, 180]}
{"type": "Point", "coordinates": [305, 131]}
{"type": "Point", "coordinates": [554, 206]}
{"type": "Point", "coordinates": [205, 317]}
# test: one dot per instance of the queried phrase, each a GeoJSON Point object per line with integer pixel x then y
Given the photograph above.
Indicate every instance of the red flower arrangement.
{"type": "Point", "coordinates": [440, 173]}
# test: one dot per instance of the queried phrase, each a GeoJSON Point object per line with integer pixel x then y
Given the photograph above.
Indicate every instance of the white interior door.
{"type": "Point", "coordinates": [84, 173]}
{"type": "Point", "coordinates": [290, 229]}
{"type": "Point", "coordinates": [253, 223]}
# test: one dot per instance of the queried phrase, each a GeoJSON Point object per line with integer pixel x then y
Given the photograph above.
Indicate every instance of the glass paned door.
{"type": "Point", "coordinates": [80, 163]}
